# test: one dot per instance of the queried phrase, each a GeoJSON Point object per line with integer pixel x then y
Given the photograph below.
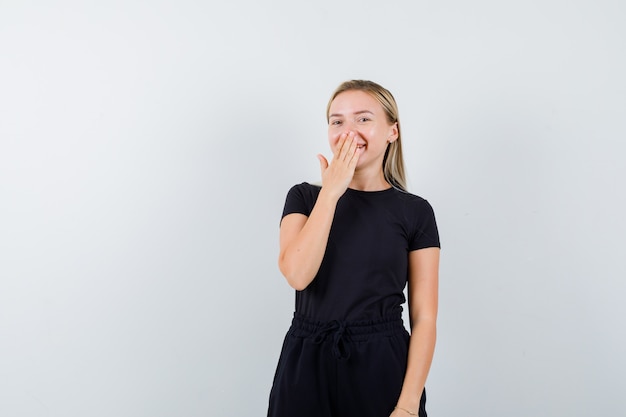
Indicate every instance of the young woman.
{"type": "Point", "coordinates": [348, 248]}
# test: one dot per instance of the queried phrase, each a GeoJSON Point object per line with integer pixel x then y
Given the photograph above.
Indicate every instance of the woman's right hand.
{"type": "Point", "coordinates": [337, 175]}
{"type": "Point", "coordinates": [303, 239]}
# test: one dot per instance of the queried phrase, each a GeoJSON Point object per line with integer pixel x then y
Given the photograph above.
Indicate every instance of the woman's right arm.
{"type": "Point", "coordinates": [303, 239]}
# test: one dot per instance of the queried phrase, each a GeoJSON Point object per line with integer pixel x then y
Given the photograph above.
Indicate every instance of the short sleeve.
{"type": "Point", "coordinates": [300, 199]}
{"type": "Point", "coordinates": [425, 234]}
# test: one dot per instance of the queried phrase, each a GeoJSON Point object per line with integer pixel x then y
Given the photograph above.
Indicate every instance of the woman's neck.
{"type": "Point", "coordinates": [373, 182]}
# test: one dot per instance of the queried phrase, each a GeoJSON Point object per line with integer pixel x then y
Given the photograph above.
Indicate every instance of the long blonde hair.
{"type": "Point", "coordinates": [393, 162]}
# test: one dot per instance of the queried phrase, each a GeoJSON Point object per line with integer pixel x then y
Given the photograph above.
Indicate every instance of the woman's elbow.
{"type": "Point", "coordinates": [296, 285]}
{"type": "Point", "coordinates": [295, 282]}
{"type": "Point", "coordinates": [295, 279]}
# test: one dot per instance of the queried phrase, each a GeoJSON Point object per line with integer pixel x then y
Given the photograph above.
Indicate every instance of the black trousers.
{"type": "Point", "coordinates": [341, 369]}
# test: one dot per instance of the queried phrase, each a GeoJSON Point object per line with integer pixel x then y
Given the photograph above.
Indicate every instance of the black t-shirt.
{"type": "Point", "coordinates": [365, 266]}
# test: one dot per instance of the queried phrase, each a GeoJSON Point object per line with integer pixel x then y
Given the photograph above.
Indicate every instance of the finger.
{"type": "Point", "coordinates": [323, 163]}
{"type": "Point", "coordinates": [340, 143]}
{"type": "Point", "coordinates": [348, 147]}
{"type": "Point", "coordinates": [355, 157]}
{"type": "Point", "coordinates": [352, 148]}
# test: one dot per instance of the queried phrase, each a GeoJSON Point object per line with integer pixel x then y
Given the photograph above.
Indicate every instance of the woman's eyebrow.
{"type": "Point", "coordinates": [355, 113]}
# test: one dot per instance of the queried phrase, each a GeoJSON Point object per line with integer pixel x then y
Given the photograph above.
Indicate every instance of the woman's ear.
{"type": "Point", "coordinates": [394, 133]}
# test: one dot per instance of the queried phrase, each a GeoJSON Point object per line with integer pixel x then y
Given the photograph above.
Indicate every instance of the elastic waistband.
{"type": "Point", "coordinates": [302, 326]}
{"type": "Point", "coordinates": [342, 333]}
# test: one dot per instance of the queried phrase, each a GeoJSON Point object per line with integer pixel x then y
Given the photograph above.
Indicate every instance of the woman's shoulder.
{"type": "Point", "coordinates": [409, 196]}
{"type": "Point", "coordinates": [301, 198]}
{"type": "Point", "coordinates": [412, 201]}
{"type": "Point", "coordinates": [306, 187]}
{"type": "Point", "coordinates": [305, 190]}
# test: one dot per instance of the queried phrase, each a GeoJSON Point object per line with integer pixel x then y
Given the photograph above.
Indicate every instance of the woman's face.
{"type": "Point", "coordinates": [357, 111]}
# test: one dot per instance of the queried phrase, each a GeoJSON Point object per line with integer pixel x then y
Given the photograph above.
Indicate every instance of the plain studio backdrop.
{"type": "Point", "coordinates": [146, 148]}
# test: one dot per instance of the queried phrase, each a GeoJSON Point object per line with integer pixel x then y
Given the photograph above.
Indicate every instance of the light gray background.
{"type": "Point", "coordinates": [147, 147]}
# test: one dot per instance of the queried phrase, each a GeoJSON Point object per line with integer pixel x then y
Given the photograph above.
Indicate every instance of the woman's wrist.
{"type": "Point", "coordinates": [406, 410]}
{"type": "Point", "coordinates": [327, 197]}
{"type": "Point", "coordinates": [409, 403]}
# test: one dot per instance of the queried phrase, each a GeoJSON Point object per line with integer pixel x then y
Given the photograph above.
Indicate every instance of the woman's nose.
{"type": "Point", "coordinates": [349, 127]}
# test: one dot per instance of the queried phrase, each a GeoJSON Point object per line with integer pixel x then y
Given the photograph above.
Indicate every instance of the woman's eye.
{"type": "Point", "coordinates": [335, 122]}
{"type": "Point", "coordinates": [364, 119]}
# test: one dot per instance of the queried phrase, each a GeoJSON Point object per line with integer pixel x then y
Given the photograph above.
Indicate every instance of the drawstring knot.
{"type": "Point", "coordinates": [337, 329]}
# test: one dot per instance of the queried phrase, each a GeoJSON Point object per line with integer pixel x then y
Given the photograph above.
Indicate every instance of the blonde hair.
{"type": "Point", "coordinates": [393, 162]}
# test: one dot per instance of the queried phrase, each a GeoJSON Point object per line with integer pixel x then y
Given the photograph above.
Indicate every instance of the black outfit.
{"type": "Point", "coordinates": [345, 353]}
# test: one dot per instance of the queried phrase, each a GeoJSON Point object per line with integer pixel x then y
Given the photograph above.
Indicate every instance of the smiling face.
{"type": "Point", "coordinates": [357, 111]}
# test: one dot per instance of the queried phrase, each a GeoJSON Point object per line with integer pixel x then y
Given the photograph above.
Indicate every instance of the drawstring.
{"type": "Point", "coordinates": [340, 349]}
{"type": "Point", "coordinates": [341, 334]}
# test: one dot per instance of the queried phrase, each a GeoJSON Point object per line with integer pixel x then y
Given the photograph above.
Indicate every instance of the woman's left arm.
{"type": "Point", "coordinates": [423, 300]}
